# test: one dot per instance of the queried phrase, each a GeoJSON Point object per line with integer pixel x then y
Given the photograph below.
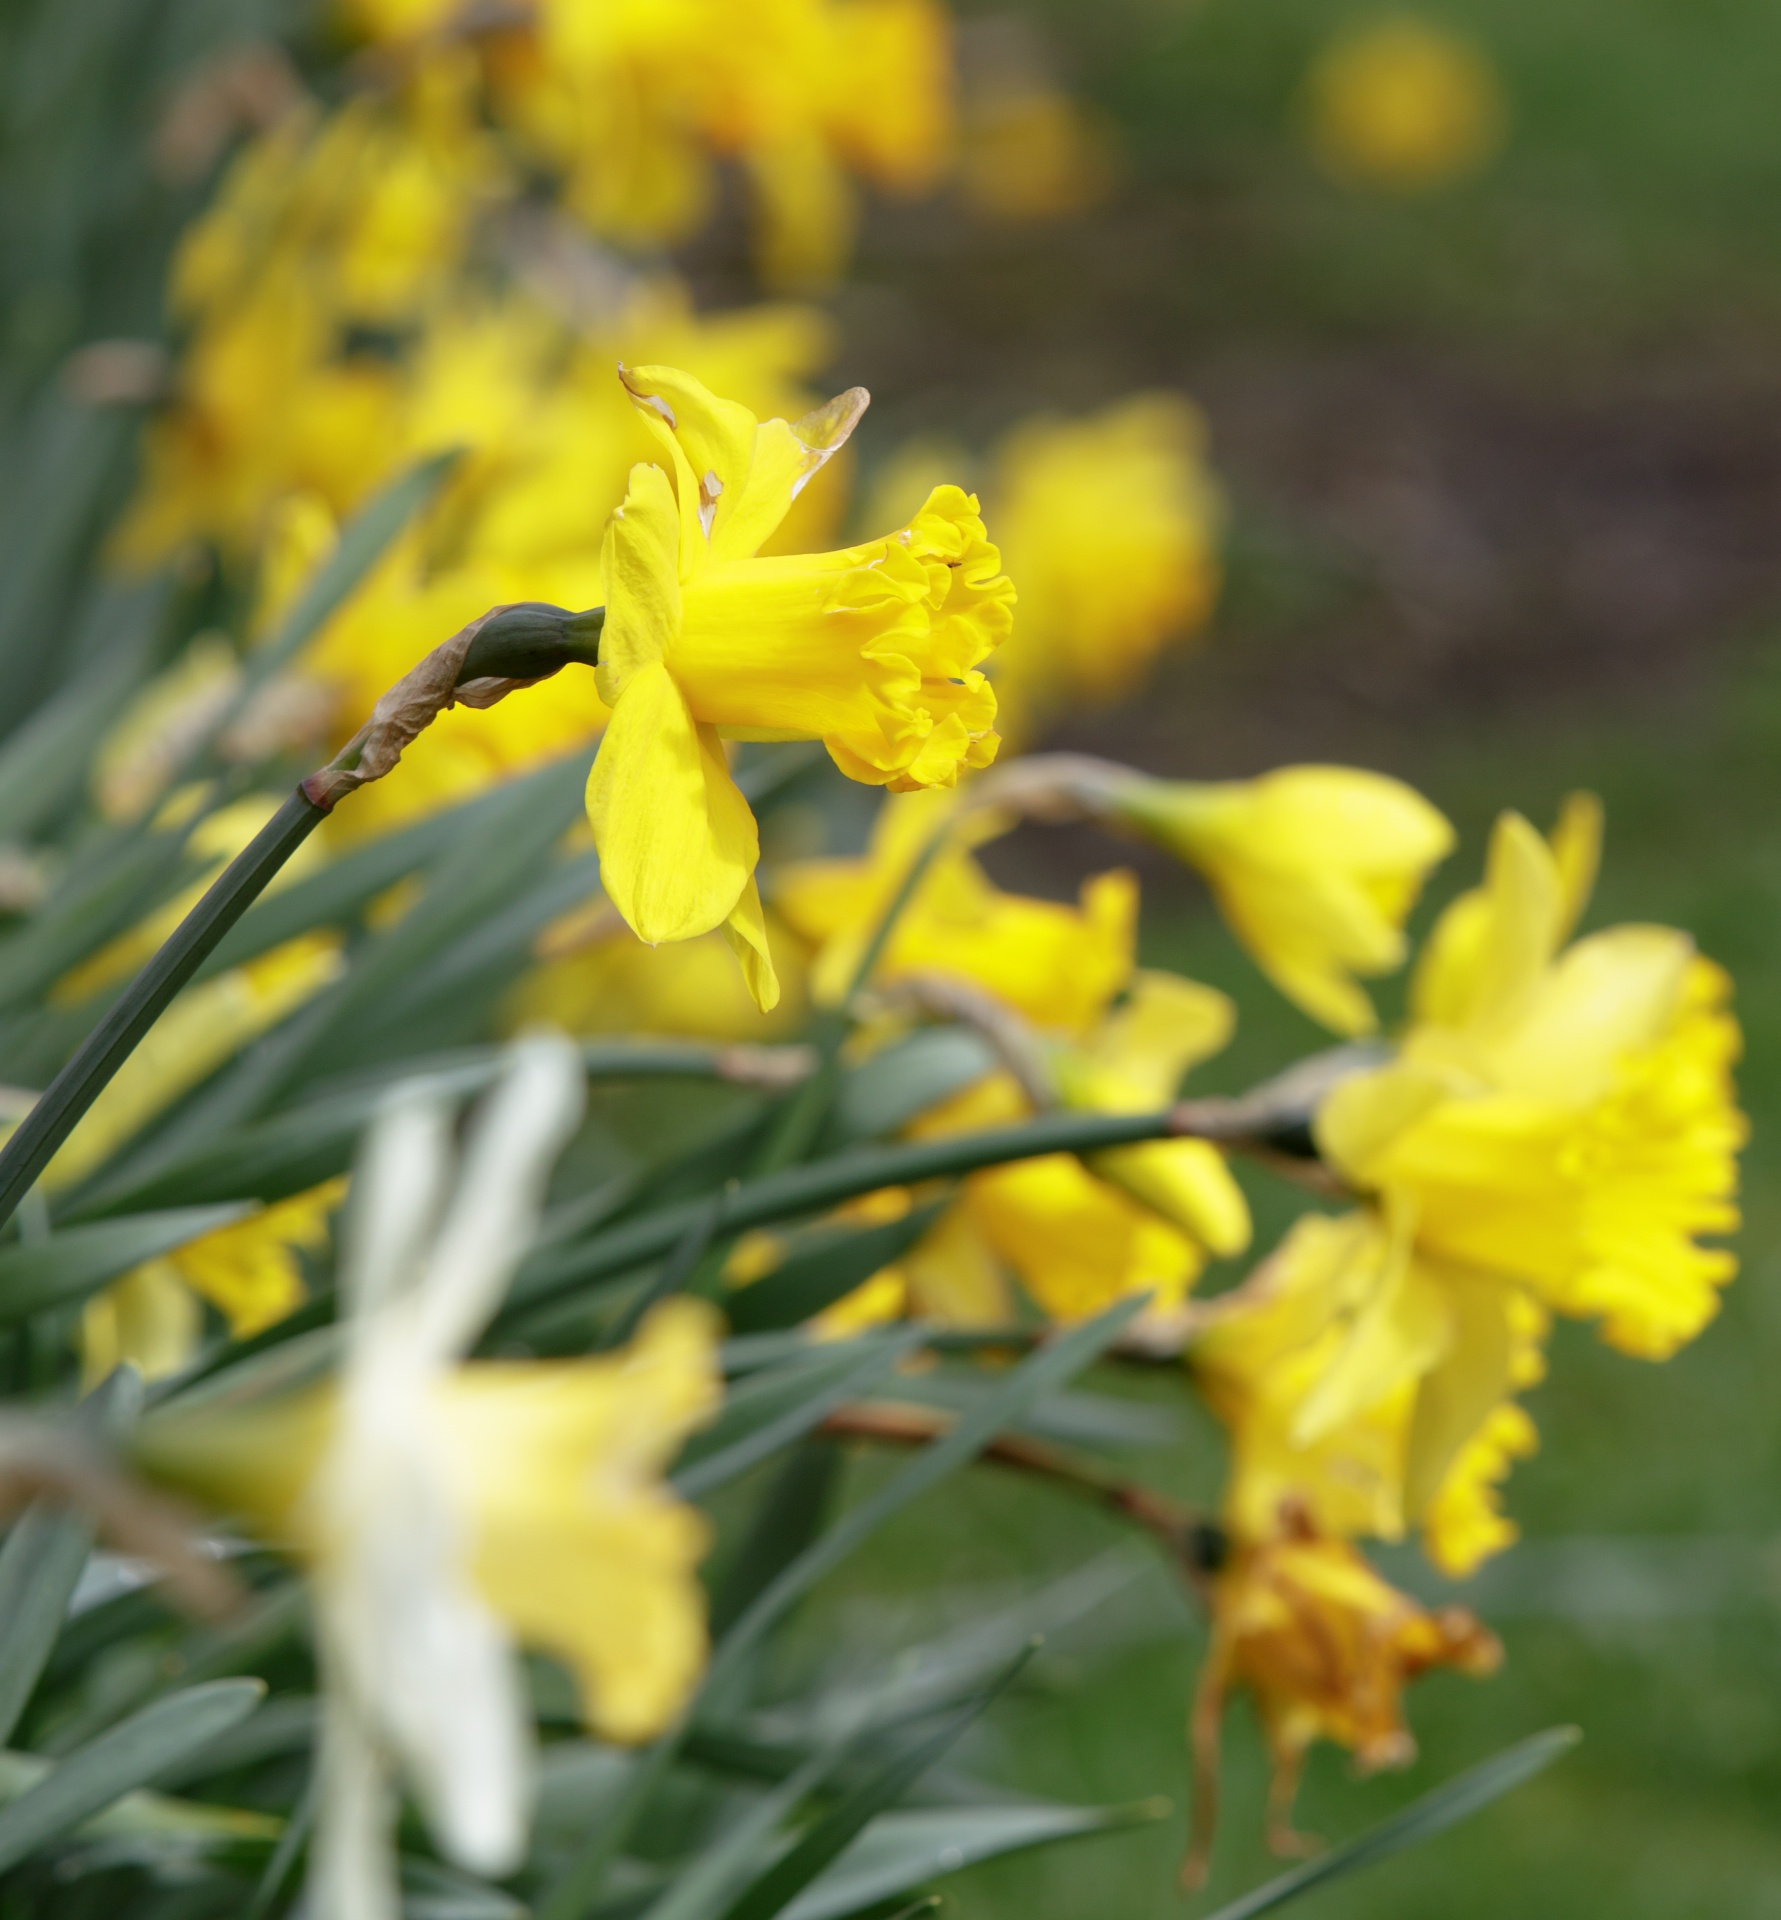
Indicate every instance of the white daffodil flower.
{"type": "Point", "coordinates": [449, 1511]}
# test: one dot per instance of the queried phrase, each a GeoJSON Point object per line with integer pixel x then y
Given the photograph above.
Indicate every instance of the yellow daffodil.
{"type": "Point", "coordinates": [1325, 1648]}
{"type": "Point", "coordinates": [638, 100]}
{"type": "Point", "coordinates": [1056, 966]}
{"type": "Point", "coordinates": [1405, 104]}
{"type": "Point", "coordinates": [1558, 1118]}
{"type": "Point", "coordinates": [1111, 526]}
{"type": "Point", "coordinates": [874, 650]}
{"type": "Point", "coordinates": [1314, 868]}
{"type": "Point", "coordinates": [445, 1511]}
{"type": "Point", "coordinates": [1365, 1386]}
{"type": "Point", "coordinates": [251, 1272]}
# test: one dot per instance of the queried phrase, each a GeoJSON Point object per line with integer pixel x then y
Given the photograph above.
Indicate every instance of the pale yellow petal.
{"type": "Point", "coordinates": [1166, 1025]}
{"type": "Point", "coordinates": [1577, 852]}
{"type": "Point", "coordinates": [1457, 1394]}
{"type": "Point", "coordinates": [1188, 1183]}
{"type": "Point", "coordinates": [746, 931]}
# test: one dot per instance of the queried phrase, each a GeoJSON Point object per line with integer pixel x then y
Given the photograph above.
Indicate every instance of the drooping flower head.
{"type": "Point", "coordinates": [873, 650]}
{"type": "Point", "coordinates": [1325, 1647]}
{"type": "Point", "coordinates": [1314, 868]}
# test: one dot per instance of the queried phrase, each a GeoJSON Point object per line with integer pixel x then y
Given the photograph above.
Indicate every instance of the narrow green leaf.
{"type": "Point", "coordinates": [900, 1850]}
{"type": "Point", "coordinates": [775, 1407]}
{"type": "Point", "coordinates": [792, 1512]}
{"type": "Point", "coordinates": [1446, 1806]}
{"type": "Point", "coordinates": [127, 1757]}
{"type": "Point", "coordinates": [788, 1876]}
{"type": "Point", "coordinates": [1041, 1372]}
{"type": "Point", "coordinates": [39, 1567]}
{"type": "Point", "coordinates": [816, 1277]}
{"type": "Point", "coordinates": [73, 1262]}
{"type": "Point", "coordinates": [701, 1890]}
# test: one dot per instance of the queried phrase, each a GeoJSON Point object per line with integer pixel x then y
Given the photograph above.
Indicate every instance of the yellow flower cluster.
{"type": "Point", "coordinates": [636, 103]}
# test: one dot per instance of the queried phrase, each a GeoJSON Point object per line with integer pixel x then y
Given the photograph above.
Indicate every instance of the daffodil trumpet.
{"type": "Point", "coordinates": [508, 648]}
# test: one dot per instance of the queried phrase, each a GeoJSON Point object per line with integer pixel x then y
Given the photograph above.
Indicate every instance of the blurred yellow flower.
{"type": "Point", "coordinates": [610, 982]}
{"type": "Point", "coordinates": [873, 650]}
{"type": "Point", "coordinates": [1325, 1648]}
{"type": "Point", "coordinates": [1110, 524]}
{"type": "Point", "coordinates": [637, 100]}
{"type": "Point", "coordinates": [1560, 1117]}
{"type": "Point", "coordinates": [1057, 966]}
{"type": "Point", "coordinates": [1405, 104]}
{"type": "Point", "coordinates": [1106, 1035]}
{"type": "Point", "coordinates": [1314, 868]}
{"type": "Point", "coordinates": [1364, 1386]}
{"type": "Point", "coordinates": [1029, 152]}
{"type": "Point", "coordinates": [250, 1272]}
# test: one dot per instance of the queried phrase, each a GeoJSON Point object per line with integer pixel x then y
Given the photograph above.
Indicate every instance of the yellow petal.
{"type": "Point", "coordinates": [1608, 995]}
{"type": "Point", "coordinates": [1399, 1334]}
{"type": "Point", "coordinates": [641, 562]}
{"type": "Point", "coordinates": [1456, 1396]}
{"type": "Point", "coordinates": [746, 931]}
{"type": "Point", "coordinates": [1166, 1025]}
{"type": "Point", "coordinates": [1484, 960]}
{"type": "Point", "coordinates": [737, 477]}
{"type": "Point", "coordinates": [150, 1319]}
{"type": "Point", "coordinates": [1077, 1243]}
{"type": "Point", "coordinates": [953, 1275]}
{"type": "Point", "coordinates": [1577, 852]}
{"type": "Point", "coordinates": [1188, 1183]}
{"type": "Point", "coordinates": [1362, 1115]}
{"type": "Point", "coordinates": [677, 841]}
{"type": "Point", "coordinates": [578, 1546]}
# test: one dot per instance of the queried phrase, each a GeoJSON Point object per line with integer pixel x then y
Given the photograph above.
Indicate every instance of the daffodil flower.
{"type": "Point", "coordinates": [1371, 1389]}
{"type": "Point", "coordinates": [1562, 1118]}
{"type": "Point", "coordinates": [1314, 868]}
{"type": "Point", "coordinates": [445, 1511]}
{"type": "Point", "coordinates": [874, 650]}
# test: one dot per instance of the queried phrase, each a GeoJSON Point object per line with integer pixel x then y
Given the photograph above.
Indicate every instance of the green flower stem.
{"type": "Point", "coordinates": [518, 643]}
